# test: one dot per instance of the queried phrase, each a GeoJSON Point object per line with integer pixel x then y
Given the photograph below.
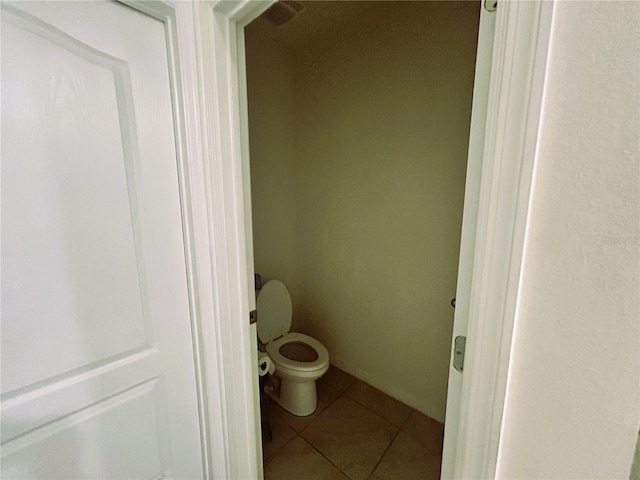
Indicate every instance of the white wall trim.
{"type": "Point", "coordinates": [512, 124]}
{"type": "Point", "coordinates": [229, 341]}
{"type": "Point", "coordinates": [207, 76]}
{"type": "Point", "coordinates": [481, 87]}
{"type": "Point", "coordinates": [192, 165]}
{"type": "Point", "coordinates": [517, 84]}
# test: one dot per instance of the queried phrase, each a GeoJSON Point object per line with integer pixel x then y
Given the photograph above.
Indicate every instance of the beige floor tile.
{"type": "Point", "coordinates": [298, 460]}
{"type": "Point", "coordinates": [425, 430]}
{"type": "Point", "coordinates": [337, 379]}
{"type": "Point", "coordinates": [326, 396]}
{"type": "Point", "coordinates": [408, 459]}
{"type": "Point", "coordinates": [350, 436]}
{"type": "Point", "coordinates": [387, 407]}
{"type": "Point", "coordinates": [281, 433]}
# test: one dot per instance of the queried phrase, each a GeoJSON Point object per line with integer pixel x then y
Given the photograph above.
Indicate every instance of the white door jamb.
{"type": "Point", "coordinates": [514, 109]}
{"type": "Point", "coordinates": [517, 81]}
{"type": "Point", "coordinates": [228, 341]}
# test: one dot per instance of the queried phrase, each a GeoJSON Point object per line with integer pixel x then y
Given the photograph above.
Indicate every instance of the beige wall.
{"type": "Point", "coordinates": [271, 144]}
{"type": "Point", "coordinates": [573, 391]}
{"type": "Point", "coordinates": [381, 128]}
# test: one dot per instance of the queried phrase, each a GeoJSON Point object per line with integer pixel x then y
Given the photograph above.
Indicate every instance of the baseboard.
{"type": "Point", "coordinates": [415, 403]}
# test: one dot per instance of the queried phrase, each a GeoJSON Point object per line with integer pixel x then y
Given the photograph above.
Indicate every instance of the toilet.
{"type": "Point", "coordinates": [299, 359]}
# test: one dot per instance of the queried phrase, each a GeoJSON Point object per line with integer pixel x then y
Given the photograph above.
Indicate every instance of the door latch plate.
{"type": "Point", "coordinates": [458, 352]}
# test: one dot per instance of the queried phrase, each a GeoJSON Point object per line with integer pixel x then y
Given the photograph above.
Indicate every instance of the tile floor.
{"type": "Point", "coordinates": [356, 433]}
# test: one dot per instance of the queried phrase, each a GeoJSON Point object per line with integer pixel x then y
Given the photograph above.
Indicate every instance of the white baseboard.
{"type": "Point", "coordinates": [437, 413]}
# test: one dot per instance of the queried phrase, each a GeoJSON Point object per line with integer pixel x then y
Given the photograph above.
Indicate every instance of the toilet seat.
{"type": "Point", "coordinates": [274, 322]}
{"type": "Point", "coordinates": [274, 311]}
{"type": "Point", "coordinates": [273, 350]}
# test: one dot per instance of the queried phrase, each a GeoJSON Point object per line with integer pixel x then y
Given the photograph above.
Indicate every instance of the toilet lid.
{"type": "Point", "coordinates": [274, 311]}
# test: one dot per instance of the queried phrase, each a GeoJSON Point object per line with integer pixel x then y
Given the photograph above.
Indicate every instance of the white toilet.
{"type": "Point", "coordinates": [299, 359]}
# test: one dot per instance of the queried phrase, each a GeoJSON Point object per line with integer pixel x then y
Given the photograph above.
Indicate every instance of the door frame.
{"type": "Point", "coordinates": [500, 171]}
{"type": "Point", "coordinates": [204, 78]}
{"type": "Point", "coordinates": [212, 80]}
{"type": "Point", "coordinates": [494, 233]}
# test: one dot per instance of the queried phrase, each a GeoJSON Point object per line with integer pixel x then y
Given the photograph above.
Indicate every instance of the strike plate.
{"type": "Point", "coordinates": [458, 353]}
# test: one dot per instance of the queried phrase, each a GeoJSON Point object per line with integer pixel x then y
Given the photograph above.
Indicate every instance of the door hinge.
{"type": "Point", "coordinates": [491, 5]}
{"type": "Point", "coordinates": [458, 352]}
{"type": "Point", "coordinates": [253, 317]}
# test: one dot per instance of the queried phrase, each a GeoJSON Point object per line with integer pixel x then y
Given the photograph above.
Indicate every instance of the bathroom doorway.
{"type": "Point", "coordinates": [359, 117]}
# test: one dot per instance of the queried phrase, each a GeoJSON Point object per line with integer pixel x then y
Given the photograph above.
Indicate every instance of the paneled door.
{"type": "Point", "coordinates": [97, 359]}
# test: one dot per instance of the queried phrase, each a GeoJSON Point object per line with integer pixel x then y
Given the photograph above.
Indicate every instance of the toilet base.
{"type": "Point", "coordinates": [297, 397]}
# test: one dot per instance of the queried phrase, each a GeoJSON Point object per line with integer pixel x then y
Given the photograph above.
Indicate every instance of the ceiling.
{"type": "Point", "coordinates": [316, 18]}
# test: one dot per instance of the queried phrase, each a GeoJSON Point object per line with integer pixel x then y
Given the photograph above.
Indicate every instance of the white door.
{"type": "Point", "coordinates": [97, 367]}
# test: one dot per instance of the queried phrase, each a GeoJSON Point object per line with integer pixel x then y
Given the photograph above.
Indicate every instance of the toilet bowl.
{"type": "Point", "coordinates": [299, 359]}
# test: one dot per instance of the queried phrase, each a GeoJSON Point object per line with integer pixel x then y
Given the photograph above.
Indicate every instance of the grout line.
{"type": "Point", "coordinates": [376, 413]}
{"type": "Point", "coordinates": [340, 395]}
{"type": "Point", "coordinates": [325, 457]}
{"type": "Point", "coordinates": [406, 420]}
{"type": "Point", "coordinates": [384, 453]}
{"type": "Point", "coordinates": [267, 459]}
{"type": "Point", "coordinates": [344, 394]}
